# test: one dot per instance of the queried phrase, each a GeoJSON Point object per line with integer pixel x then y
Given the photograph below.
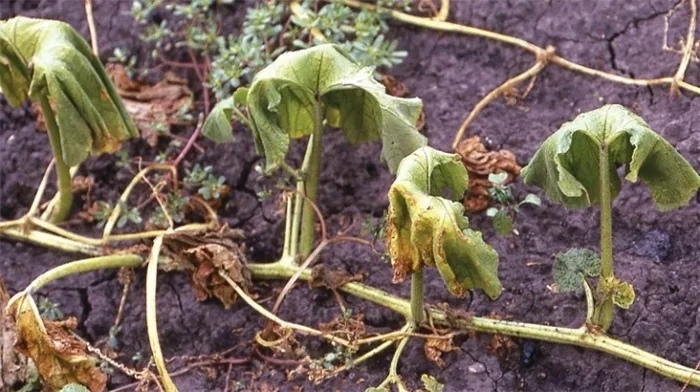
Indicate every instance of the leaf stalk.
{"type": "Point", "coordinates": [64, 181]}
{"type": "Point", "coordinates": [313, 174]}
{"type": "Point", "coordinates": [417, 292]}
{"type": "Point", "coordinates": [604, 309]}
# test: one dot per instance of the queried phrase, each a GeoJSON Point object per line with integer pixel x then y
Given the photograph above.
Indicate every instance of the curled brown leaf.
{"type": "Point", "coordinates": [204, 254]}
{"type": "Point", "coordinates": [480, 163]}
{"type": "Point", "coordinates": [435, 347]}
{"type": "Point", "coordinates": [155, 108]}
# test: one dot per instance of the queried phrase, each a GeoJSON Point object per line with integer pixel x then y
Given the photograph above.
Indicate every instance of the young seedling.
{"type": "Point", "coordinates": [49, 63]}
{"type": "Point", "coordinates": [426, 229]}
{"type": "Point", "coordinates": [577, 167]}
{"type": "Point", "coordinates": [504, 213]}
{"type": "Point", "coordinates": [293, 98]}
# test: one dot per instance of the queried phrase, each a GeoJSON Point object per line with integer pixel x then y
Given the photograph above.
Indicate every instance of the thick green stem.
{"type": "Point", "coordinates": [298, 204]}
{"type": "Point", "coordinates": [78, 267]}
{"type": "Point", "coordinates": [417, 312]}
{"type": "Point", "coordinates": [65, 183]}
{"type": "Point", "coordinates": [574, 336]}
{"type": "Point", "coordinates": [85, 265]}
{"type": "Point", "coordinates": [313, 173]}
{"type": "Point", "coordinates": [604, 309]}
{"type": "Point", "coordinates": [286, 250]}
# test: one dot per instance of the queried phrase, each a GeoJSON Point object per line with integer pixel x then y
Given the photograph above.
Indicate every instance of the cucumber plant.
{"type": "Point", "coordinates": [426, 229]}
{"type": "Point", "coordinates": [577, 167]}
{"type": "Point", "coordinates": [51, 64]}
{"type": "Point", "coordinates": [295, 97]}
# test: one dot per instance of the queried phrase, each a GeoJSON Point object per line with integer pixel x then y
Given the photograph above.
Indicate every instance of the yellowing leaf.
{"type": "Point", "coordinates": [48, 58]}
{"type": "Point", "coordinates": [624, 295]}
{"type": "Point", "coordinates": [567, 165]}
{"type": "Point", "coordinates": [431, 384]}
{"type": "Point", "coordinates": [621, 293]}
{"type": "Point", "coordinates": [283, 97]}
{"type": "Point", "coordinates": [60, 357]}
{"type": "Point", "coordinates": [426, 229]}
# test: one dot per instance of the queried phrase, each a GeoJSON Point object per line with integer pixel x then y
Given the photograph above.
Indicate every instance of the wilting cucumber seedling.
{"type": "Point", "coordinates": [294, 97]}
{"type": "Point", "coordinates": [48, 62]}
{"type": "Point", "coordinates": [577, 167]}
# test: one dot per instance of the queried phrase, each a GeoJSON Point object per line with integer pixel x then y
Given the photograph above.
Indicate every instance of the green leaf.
{"type": "Point", "coordinates": [373, 389]}
{"type": "Point", "coordinates": [498, 178]}
{"type": "Point", "coordinates": [74, 388]}
{"type": "Point", "coordinates": [491, 212]}
{"type": "Point", "coordinates": [425, 228]}
{"type": "Point", "coordinates": [45, 58]}
{"type": "Point", "coordinates": [571, 266]}
{"type": "Point", "coordinates": [532, 199]}
{"type": "Point", "coordinates": [567, 165]}
{"type": "Point", "coordinates": [217, 126]}
{"type": "Point", "coordinates": [431, 384]}
{"type": "Point", "coordinates": [502, 223]}
{"type": "Point", "coordinates": [283, 97]}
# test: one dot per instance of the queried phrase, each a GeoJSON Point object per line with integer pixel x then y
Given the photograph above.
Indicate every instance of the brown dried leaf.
{"type": "Point", "coordinates": [480, 163]}
{"type": "Point", "coordinates": [321, 277]}
{"type": "Point", "coordinates": [204, 254]}
{"type": "Point", "coordinates": [83, 184]}
{"type": "Point", "coordinates": [150, 106]}
{"type": "Point", "coordinates": [60, 357]}
{"type": "Point", "coordinates": [435, 347]}
{"type": "Point", "coordinates": [13, 366]}
{"type": "Point", "coordinates": [348, 328]}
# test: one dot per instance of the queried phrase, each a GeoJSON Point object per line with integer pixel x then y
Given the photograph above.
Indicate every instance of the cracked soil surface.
{"type": "Point", "coordinates": [658, 253]}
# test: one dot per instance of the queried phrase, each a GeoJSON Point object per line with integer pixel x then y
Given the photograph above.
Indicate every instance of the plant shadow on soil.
{"type": "Point", "coordinates": [657, 253]}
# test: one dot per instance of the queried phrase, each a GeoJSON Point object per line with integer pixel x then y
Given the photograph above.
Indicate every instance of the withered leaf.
{"type": "Point", "coordinates": [13, 366]}
{"type": "Point", "coordinates": [211, 258]}
{"type": "Point", "coordinates": [60, 357]}
{"type": "Point", "coordinates": [204, 254]}
{"type": "Point", "coordinates": [435, 347]}
{"type": "Point", "coordinates": [480, 163]}
{"type": "Point", "coordinates": [153, 108]}
{"type": "Point", "coordinates": [321, 277]}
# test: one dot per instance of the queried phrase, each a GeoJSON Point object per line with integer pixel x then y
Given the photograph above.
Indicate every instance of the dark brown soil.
{"type": "Point", "coordinates": [658, 253]}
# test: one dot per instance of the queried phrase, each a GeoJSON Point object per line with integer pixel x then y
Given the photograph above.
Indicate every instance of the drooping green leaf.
{"type": "Point", "coordinates": [282, 104]}
{"type": "Point", "coordinates": [44, 58]}
{"type": "Point", "coordinates": [571, 266]}
{"type": "Point", "coordinates": [567, 165]}
{"type": "Point", "coordinates": [426, 229]}
{"type": "Point", "coordinates": [431, 384]}
{"type": "Point", "coordinates": [217, 126]}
